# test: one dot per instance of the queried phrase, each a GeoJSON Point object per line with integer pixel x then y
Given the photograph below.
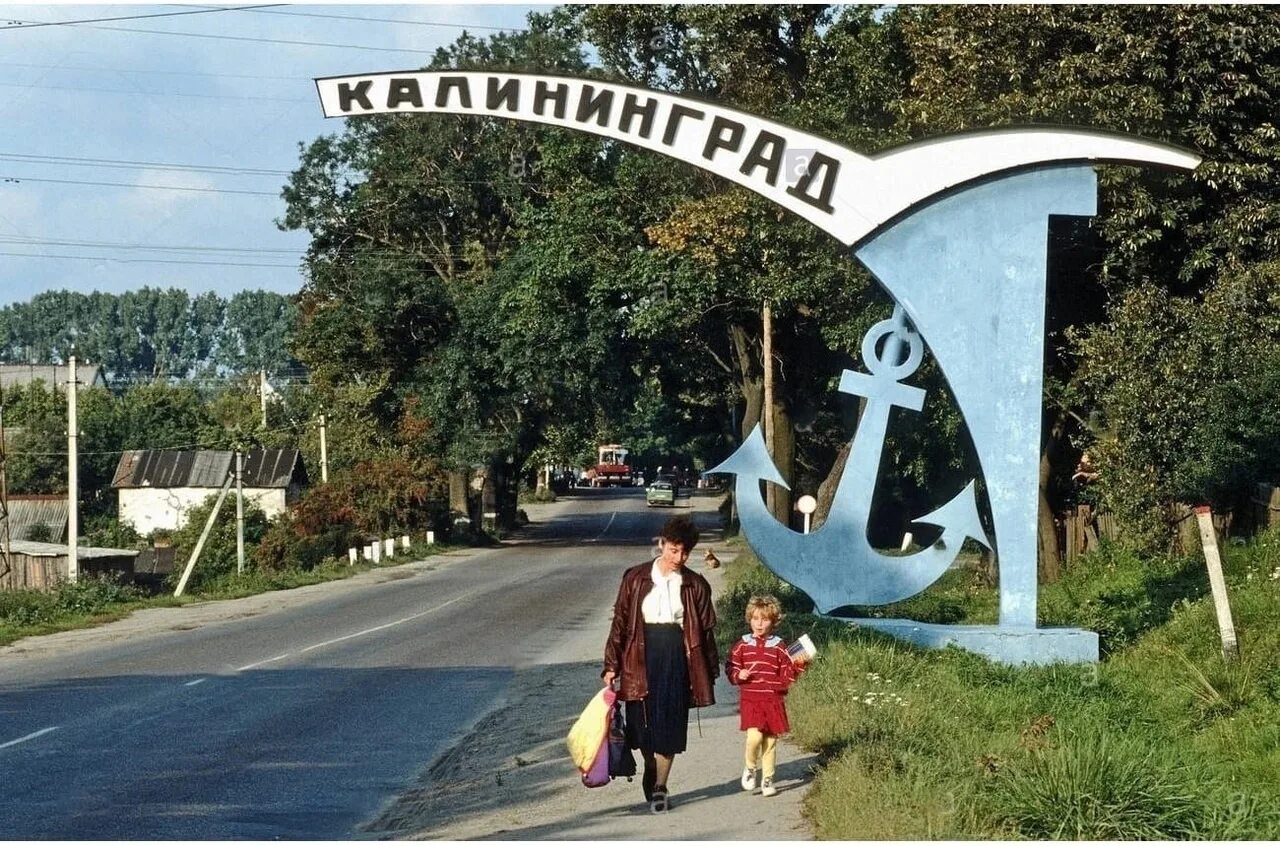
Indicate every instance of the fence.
{"type": "Point", "coordinates": [1083, 529]}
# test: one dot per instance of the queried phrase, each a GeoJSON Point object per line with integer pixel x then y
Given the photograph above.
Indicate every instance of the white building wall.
{"type": "Point", "coordinates": [148, 509]}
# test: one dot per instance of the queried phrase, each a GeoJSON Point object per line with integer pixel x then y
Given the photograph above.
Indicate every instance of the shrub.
{"type": "Point", "coordinates": [219, 552]}
{"type": "Point", "coordinates": [375, 498]}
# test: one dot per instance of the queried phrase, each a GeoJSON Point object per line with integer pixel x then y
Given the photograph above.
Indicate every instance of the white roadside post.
{"type": "Point", "coordinates": [431, 538]}
{"type": "Point", "coordinates": [1217, 584]}
{"type": "Point", "coordinates": [404, 541]}
{"type": "Point", "coordinates": [352, 555]}
{"type": "Point", "coordinates": [324, 451]}
{"type": "Point", "coordinates": [806, 505]}
{"type": "Point", "coordinates": [389, 545]}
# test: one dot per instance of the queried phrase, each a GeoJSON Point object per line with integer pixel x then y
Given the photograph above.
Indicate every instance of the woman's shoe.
{"type": "Point", "coordinates": [767, 788]}
{"type": "Point", "coordinates": [659, 803]}
{"type": "Point", "coordinates": [748, 779]}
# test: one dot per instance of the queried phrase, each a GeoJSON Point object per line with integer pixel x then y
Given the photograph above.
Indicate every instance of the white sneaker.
{"type": "Point", "coordinates": [767, 788]}
{"type": "Point", "coordinates": [748, 779]}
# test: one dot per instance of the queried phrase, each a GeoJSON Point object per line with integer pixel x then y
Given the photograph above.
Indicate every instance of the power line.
{"type": "Point", "coordinates": [247, 97]}
{"type": "Point", "coordinates": [151, 261]}
{"type": "Point", "coordinates": [36, 24]}
{"type": "Point", "coordinates": [21, 179]}
{"type": "Point", "coordinates": [263, 10]}
{"type": "Point", "coordinates": [92, 69]}
{"type": "Point", "coordinates": [18, 240]}
{"type": "Point", "coordinates": [81, 161]}
{"type": "Point", "coordinates": [284, 41]}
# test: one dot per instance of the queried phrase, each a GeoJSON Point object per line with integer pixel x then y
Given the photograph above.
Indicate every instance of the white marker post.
{"type": "Point", "coordinates": [1217, 584]}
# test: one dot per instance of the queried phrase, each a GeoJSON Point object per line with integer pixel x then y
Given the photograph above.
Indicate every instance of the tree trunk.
{"type": "Point", "coordinates": [458, 492]}
{"type": "Point", "coordinates": [827, 490]}
{"type": "Point", "coordinates": [1050, 558]}
{"type": "Point", "coordinates": [784, 457]}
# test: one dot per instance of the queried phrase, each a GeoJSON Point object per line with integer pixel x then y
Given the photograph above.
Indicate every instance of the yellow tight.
{"type": "Point", "coordinates": [763, 748]}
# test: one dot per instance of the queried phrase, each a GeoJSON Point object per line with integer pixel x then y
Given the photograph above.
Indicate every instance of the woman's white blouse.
{"type": "Point", "coordinates": [663, 604]}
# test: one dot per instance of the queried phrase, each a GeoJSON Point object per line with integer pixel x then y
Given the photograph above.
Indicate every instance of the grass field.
{"type": "Point", "coordinates": [1162, 739]}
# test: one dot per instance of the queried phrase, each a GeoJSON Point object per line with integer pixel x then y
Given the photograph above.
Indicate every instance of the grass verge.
{"type": "Point", "coordinates": [92, 602]}
{"type": "Point", "coordinates": [1161, 740]}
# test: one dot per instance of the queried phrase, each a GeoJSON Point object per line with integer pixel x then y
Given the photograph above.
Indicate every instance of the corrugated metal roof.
{"type": "Point", "coordinates": [26, 513]}
{"type": "Point", "coordinates": [169, 468]}
{"type": "Point", "coordinates": [272, 468]}
{"type": "Point", "coordinates": [51, 374]}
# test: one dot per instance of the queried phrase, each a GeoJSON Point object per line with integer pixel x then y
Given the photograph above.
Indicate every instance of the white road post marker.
{"type": "Point", "coordinates": [1217, 583]}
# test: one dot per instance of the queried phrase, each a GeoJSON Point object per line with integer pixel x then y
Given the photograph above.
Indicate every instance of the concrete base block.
{"type": "Point", "coordinates": [1006, 645]}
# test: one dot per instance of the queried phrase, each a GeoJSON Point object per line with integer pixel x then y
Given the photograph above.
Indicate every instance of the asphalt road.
{"type": "Point", "coordinates": [299, 714]}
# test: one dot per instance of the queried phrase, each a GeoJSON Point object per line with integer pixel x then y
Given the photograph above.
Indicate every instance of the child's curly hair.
{"type": "Point", "coordinates": [766, 604]}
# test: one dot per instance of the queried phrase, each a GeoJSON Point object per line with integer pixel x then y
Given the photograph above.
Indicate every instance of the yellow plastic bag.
{"type": "Point", "coordinates": [590, 730]}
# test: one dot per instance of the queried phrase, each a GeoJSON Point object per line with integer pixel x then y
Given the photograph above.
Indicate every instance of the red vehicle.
{"type": "Point", "coordinates": [611, 467]}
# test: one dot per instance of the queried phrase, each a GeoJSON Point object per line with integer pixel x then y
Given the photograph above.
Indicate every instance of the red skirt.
{"type": "Point", "coordinates": [764, 711]}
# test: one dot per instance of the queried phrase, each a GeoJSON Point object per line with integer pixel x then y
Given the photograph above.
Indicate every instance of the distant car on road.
{"type": "Point", "coordinates": [660, 492]}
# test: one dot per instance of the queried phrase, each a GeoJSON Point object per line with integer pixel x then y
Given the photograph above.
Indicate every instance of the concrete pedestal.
{"type": "Point", "coordinates": [1007, 645]}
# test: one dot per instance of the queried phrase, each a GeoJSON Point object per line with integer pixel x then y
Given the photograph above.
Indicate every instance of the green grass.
{"type": "Point", "coordinates": [92, 602]}
{"type": "Point", "coordinates": [1163, 739]}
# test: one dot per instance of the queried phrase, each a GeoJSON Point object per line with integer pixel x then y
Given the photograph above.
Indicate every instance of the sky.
{"type": "Point", "coordinates": [152, 151]}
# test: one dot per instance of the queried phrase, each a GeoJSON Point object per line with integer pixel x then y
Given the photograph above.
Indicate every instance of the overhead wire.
{"type": "Point", "coordinates": [210, 10]}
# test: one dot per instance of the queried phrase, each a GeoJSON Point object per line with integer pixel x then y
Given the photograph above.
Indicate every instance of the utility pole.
{"type": "Point", "coordinates": [239, 511]}
{"type": "Point", "coordinates": [767, 411]}
{"type": "Point", "coordinates": [324, 450]}
{"type": "Point", "coordinates": [262, 393]}
{"type": "Point", "coordinates": [5, 563]}
{"type": "Point", "coordinates": [73, 475]}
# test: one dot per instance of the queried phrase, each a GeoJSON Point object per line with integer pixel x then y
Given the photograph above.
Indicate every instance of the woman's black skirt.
{"type": "Point", "coordinates": [660, 722]}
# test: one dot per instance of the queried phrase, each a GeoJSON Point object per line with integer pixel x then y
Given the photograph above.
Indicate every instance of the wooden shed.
{"type": "Point", "coordinates": [41, 566]}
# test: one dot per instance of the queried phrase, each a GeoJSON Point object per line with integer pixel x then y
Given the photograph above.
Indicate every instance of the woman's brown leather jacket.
{"type": "Point", "coordinates": [624, 651]}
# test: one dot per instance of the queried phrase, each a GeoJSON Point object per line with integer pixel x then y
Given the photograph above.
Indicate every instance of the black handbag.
{"type": "Point", "coordinates": [622, 762]}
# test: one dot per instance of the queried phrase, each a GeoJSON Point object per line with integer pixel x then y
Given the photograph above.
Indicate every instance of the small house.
{"type": "Point", "coordinates": [158, 488]}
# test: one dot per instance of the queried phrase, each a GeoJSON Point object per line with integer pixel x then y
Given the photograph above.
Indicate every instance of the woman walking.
{"type": "Point", "coordinates": [662, 653]}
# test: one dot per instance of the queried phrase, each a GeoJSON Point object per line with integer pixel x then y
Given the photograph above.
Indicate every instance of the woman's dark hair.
{"type": "Point", "coordinates": [682, 531]}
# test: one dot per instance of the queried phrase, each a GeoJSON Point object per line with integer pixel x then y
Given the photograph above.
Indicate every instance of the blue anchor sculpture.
{"type": "Point", "coordinates": [862, 575]}
{"type": "Point", "coordinates": [954, 228]}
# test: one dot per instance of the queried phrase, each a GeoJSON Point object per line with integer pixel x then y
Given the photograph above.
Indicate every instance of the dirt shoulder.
{"type": "Point", "coordinates": [511, 778]}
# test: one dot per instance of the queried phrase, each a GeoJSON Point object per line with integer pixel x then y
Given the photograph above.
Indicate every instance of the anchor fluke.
{"type": "Point", "coordinates": [751, 461]}
{"type": "Point", "coordinates": [958, 518]}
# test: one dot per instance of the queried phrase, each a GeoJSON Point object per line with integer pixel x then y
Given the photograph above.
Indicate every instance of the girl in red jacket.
{"type": "Point", "coordinates": [762, 669]}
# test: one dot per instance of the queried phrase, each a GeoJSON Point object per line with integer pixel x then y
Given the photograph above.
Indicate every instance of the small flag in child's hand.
{"type": "Point", "coordinates": [803, 647]}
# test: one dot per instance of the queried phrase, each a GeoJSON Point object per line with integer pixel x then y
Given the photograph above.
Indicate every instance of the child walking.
{"type": "Point", "coordinates": [762, 669]}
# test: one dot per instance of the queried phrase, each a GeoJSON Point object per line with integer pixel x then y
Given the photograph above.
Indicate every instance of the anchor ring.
{"type": "Point", "coordinates": [878, 365]}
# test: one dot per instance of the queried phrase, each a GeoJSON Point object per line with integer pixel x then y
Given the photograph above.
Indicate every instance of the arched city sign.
{"type": "Point", "coordinates": [956, 230]}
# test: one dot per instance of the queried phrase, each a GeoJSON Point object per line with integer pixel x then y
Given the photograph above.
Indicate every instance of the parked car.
{"type": "Point", "coordinates": [660, 493]}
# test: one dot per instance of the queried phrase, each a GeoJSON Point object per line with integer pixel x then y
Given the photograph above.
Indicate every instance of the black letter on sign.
{"type": "Point", "coordinates": [404, 91]}
{"type": "Point", "coordinates": [830, 168]}
{"type": "Point", "coordinates": [631, 109]}
{"type": "Point", "coordinates": [508, 94]}
{"type": "Point", "coordinates": [346, 94]}
{"type": "Point", "coordinates": [458, 83]}
{"type": "Point", "coordinates": [716, 139]}
{"type": "Point", "coordinates": [678, 113]}
{"type": "Point", "coordinates": [772, 162]}
{"type": "Point", "coordinates": [599, 105]}
{"type": "Point", "coordinates": [541, 94]}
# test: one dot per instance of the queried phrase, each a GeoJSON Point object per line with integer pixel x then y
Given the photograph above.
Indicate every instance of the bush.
{"type": "Point", "coordinates": [90, 595]}
{"type": "Point", "coordinates": [376, 498]}
{"type": "Point", "coordinates": [219, 553]}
